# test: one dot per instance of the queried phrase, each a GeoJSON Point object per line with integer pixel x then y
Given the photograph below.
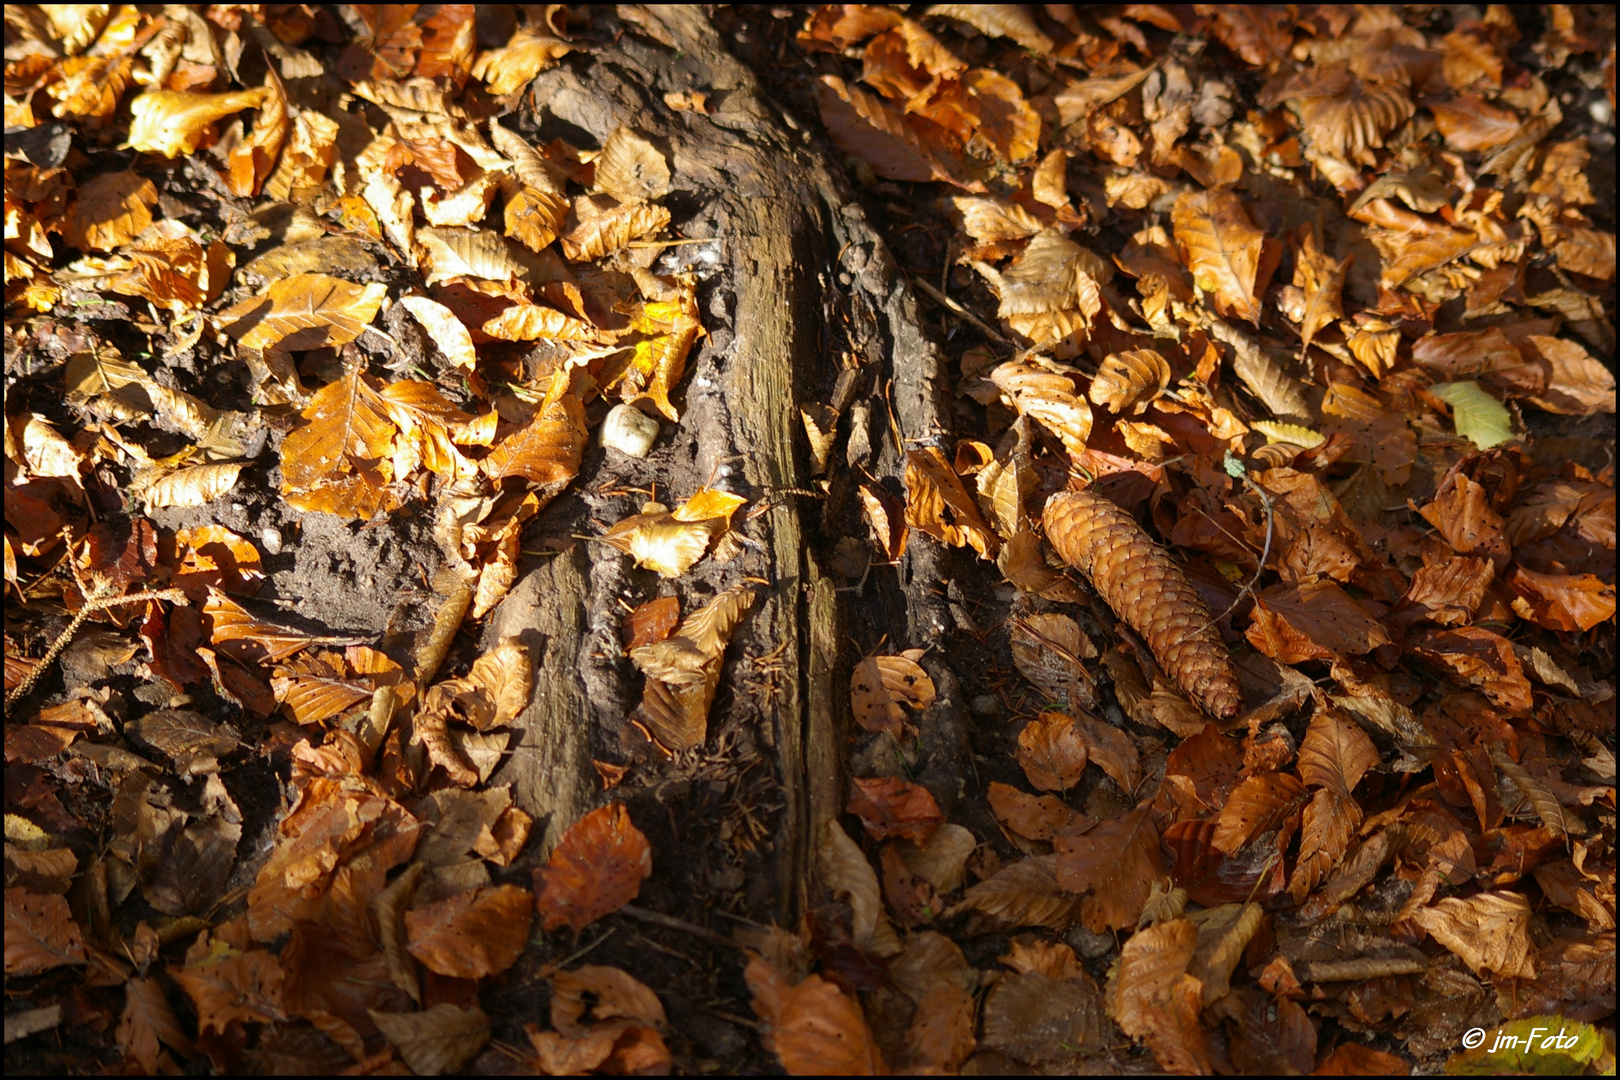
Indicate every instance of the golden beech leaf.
{"type": "Point", "coordinates": [1490, 932]}
{"type": "Point", "coordinates": [534, 218]}
{"type": "Point", "coordinates": [447, 331]}
{"type": "Point", "coordinates": [1025, 893]}
{"type": "Point", "coordinates": [308, 311]}
{"type": "Point", "coordinates": [1131, 379]}
{"type": "Point", "coordinates": [1322, 278]}
{"type": "Point", "coordinates": [250, 162]}
{"type": "Point", "coordinates": [472, 934]}
{"type": "Point", "coordinates": [1157, 1001]}
{"type": "Point", "coordinates": [998, 20]}
{"type": "Point", "coordinates": [243, 637]}
{"type": "Point", "coordinates": [844, 869]}
{"type": "Point", "coordinates": [880, 685]}
{"type": "Point", "coordinates": [531, 322]}
{"type": "Point", "coordinates": [526, 55]}
{"type": "Point", "coordinates": [1048, 396]}
{"type": "Point", "coordinates": [1120, 859]}
{"type": "Point", "coordinates": [872, 130]}
{"type": "Point", "coordinates": [1223, 249]}
{"type": "Point", "coordinates": [1345, 117]}
{"type": "Point", "coordinates": [450, 253]}
{"type": "Point", "coordinates": [603, 226]}
{"type": "Point", "coordinates": [111, 210]}
{"type": "Point", "coordinates": [313, 688]}
{"type": "Point", "coordinates": [547, 450]}
{"type": "Point", "coordinates": [1257, 805]}
{"type": "Point", "coordinates": [666, 325]}
{"type": "Point", "coordinates": [683, 671]}
{"type": "Point", "coordinates": [192, 487]}
{"type": "Point", "coordinates": [658, 541]}
{"type": "Point", "coordinates": [631, 169]}
{"type": "Point", "coordinates": [940, 506]}
{"type": "Point", "coordinates": [988, 220]}
{"type": "Point", "coordinates": [436, 1041]}
{"type": "Point", "coordinates": [174, 122]}
{"type": "Point", "coordinates": [340, 461]}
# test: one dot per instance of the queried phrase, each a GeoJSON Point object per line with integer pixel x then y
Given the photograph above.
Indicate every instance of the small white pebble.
{"type": "Point", "coordinates": [271, 538]}
{"type": "Point", "coordinates": [1601, 110]}
{"type": "Point", "coordinates": [629, 430]}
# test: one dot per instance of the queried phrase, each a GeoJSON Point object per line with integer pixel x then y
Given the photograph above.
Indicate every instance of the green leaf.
{"type": "Point", "coordinates": [1478, 417]}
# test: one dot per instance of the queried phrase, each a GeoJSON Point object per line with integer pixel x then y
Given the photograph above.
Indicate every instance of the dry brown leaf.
{"type": "Point", "coordinates": [880, 685]}
{"type": "Point", "coordinates": [890, 807]}
{"type": "Point", "coordinates": [1223, 249]}
{"type": "Point", "coordinates": [1345, 117]}
{"type": "Point", "coordinates": [111, 210]}
{"type": "Point", "coordinates": [597, 867]}
{"type": "Point", "coordinates": [447, 331]}
{"type": "Point", "coordinates": [844, 870]}
{"type": "Point", "coordinates": [604, 226]}
{"type": "Point", "coordinates": [526, 55]}
{"type": "Point", "coordinates": [1048, 650]}
{"type": "Point", "coordinates": [941, 860]}
{"type": "Point", "coordinates": [998, 20]}
{"type": "Point", "coordinates": [192, 487]}
{"type": "Point", "coordinates": [1257, 805]}
{"type": "Point", "coordinates": [1022, 562]}
{"type": "Point", "coordinates": [940, 506]}
{"type": "Point", "coordinates": [1223, 933]}
{"type": "Point", "coordinates": [547, 449]}
{"type": "Point", "coordinates": [437, 1040]}
{"type": "Point", "coordinates": [1156, 1001]}
{"type": "Point", "coordinates": [40, 933]}
{"type": "Point", "coordinates": [1025, 893]}
{"type": "Point", "coordinates": [988, 220]}
{"type": "Point", "coordinates": [683, 671]}
{"type": "Point", "coordinates": [340, 461]}
{"type": "Point", "coordinates": [1119, 859]}
{"type": "Point", "coordinates": [1052, 752]}
{"type": "Point", "coordinates": [1322, 278]}
{"type": "Point", "coordinates": [1490, 932]}
{"type": "Point", "coordinates": [665, 327]}
{"type": "Point", "coordinates": [874, 131]}
{"type": "Point", "coordinates": [631, 169]}
{"type": "Point", "coordinates": [1034, 817]}
{"type": "Point", "coordinates": [1049, 397]}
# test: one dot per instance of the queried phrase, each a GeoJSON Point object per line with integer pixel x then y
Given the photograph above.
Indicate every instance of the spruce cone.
{"type": "Point", "coordinates": [1144, 586]}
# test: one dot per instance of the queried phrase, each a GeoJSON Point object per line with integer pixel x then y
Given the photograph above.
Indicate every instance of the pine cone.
{"type": "Point", "coordinates": [1144, 586]}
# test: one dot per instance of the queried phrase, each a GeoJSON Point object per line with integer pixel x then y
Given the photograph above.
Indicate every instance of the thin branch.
{"type": "Point", "coordinates": [961, 312]}
{"type": "Point", "coordinates": [175, 596]}
{"type": "Point", "coordinates": [670, 922]}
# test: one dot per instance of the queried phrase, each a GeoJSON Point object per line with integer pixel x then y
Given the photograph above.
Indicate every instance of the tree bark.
{"type": "Point", "coordinates": [804, 305]}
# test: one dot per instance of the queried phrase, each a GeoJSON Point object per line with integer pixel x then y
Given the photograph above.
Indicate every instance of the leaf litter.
{"type": "Point", "coordinates": [1324, 335]}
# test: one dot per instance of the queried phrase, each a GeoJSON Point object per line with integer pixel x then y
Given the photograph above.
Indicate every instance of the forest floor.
{"type": "Point", "coordinates": [392, 728]}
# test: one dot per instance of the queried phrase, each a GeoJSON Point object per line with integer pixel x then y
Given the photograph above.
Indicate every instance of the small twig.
{"type": "Point", "coordinates": [670, 922]}
{"type": "Point", "coordinates": [580, 953]}
{"type": "Point", "coordinates": [962, 312]}
{"type": "Point", "coordinates": [91, 606]}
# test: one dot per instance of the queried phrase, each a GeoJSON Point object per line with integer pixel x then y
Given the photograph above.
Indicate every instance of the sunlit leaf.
{"type": "Point", "coordinates": [1478, 417]}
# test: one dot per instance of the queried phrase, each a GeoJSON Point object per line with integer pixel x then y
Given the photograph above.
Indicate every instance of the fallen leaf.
{"type": "Point", "coordinates": [309, 311]}
{"type": "Point", "coordinates": [1052, 752]}
{"type": "Point", "coordinates": [447, 331]}
{"type": "Point", "coordinates": [597, 867]}
{"type": "Point", "coordinates": [890, 807]}
{"type": "Point", "coordinates": [1223, 249]}
{"type": "Point", "coordinates": [940, 506]}
{"type": "Point", "coordinates": [1117, 860]}
{"type": "Point", "coordinates": [812, 1027]}
{"type": "Point", "coordinates": [844, 870]}
{"type": "Point", "coordinates": [881, 685]}
{"type": "Point", "coordinates": [472, 934]}
{"type": "Point", "coordinates": [437, 1040]}
{"type": "Point", "coordinates": [1131, 379]}
{"type": "Point", "coordinates": [1025, 893]}
{"type": "Point", "coordinates": [872, 130]}
{"type": "Point", "coordinates": [1490, 932]}
{"type": "Point", "coordinates": [683, 671]}
{"type": "Point", "coordinates": [1156, 1001]}
{"type": "Point", "coordinates": [40, 933]}
{"type": "Point", "coordinates": [174, 122]}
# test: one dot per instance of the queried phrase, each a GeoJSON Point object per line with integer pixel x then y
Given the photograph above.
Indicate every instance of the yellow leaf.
{"type": "Point", "coordinates": [192, 487]}
{"type": "Point", "coordinates": [340, 462]}
{"type": "Point", "coordinates": [444, 328]}
{"type": "Point", "coordinates": [310, 311]}
{"type": "Point", "coordinates": [531, 322]}
{"type": "Point", "coordinates": [546, 451]}
{"type": "Point", "coordinates": [173, 122]}
{"type": "Point", "coordinates": [525, 56]}
{"type": "Point", "coordinates": [708, 503]}
{"type": "Point", "coordinates": [1223, 249]}
{"type": "Point", "coordinates": [631, 169]}
{"type": "Point", "coordinates": [657, 541]}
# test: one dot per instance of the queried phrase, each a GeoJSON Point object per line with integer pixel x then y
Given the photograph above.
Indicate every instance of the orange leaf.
{"type": "Point", "coordinates": [597, 868]}
{"type": "Point", "coordinates": [1257, 805]}
{"type": "Point", "coordinates": [471, 934]}
{"type": "Point", "coordinates": [40, 933]}
{"type": "Point", "coordinates": [879, 685]}
{"type": "Point", "coordinates": [892, 807]}
{"type": "Point", "coordinates": [1223, 249]}
{"type": "Point", "coordinates": [306, 311]}
{"type": "Point", "coordinates": [813, 1028]}
{"type": "Point", "coordinates": [1034, 817]}
{"type": "Point", "coordinates": [871, 129]}
{"type": "Point", "coordinates": [1052, 752]}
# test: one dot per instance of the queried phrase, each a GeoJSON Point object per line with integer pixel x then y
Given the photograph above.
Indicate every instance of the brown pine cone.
{"type": "Point", "coordinates": [1144, 586]}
